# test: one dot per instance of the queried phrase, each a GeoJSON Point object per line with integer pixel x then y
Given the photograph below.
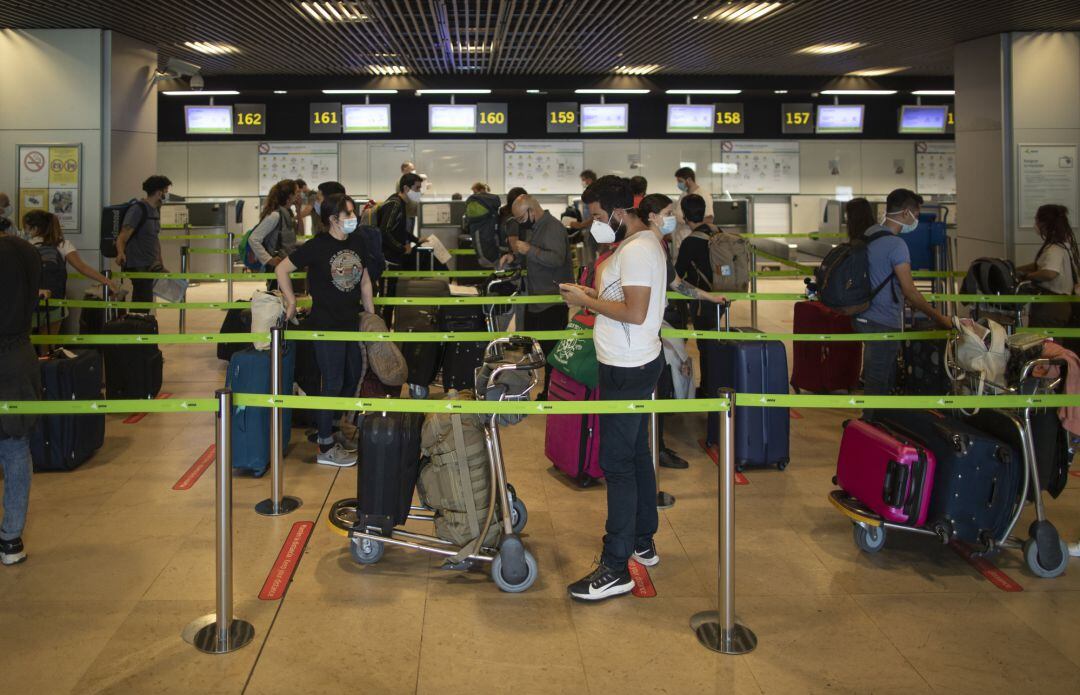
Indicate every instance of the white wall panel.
{"type": "Point", "coordinates": [223, 169]}
{"type": "Point", "coordinates": [385, 158]}
{"type": "Point", "coordinates": [886, 166]}
{"type": "Point", "coordinates": [612, 156]}
{"type": "Point", "coordinates": [452, 166]}
{"type": "Point", "coordinates": [830, 167]}
{"type": "Point", "coordinates": [660, 159]}
{"type": "Point", "coordinates": [172, 161]}
{"type": "Point", "coordinates": [354, 168]}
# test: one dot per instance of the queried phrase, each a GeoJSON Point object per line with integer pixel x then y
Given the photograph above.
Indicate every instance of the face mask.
{"type": "Point", "coordinates": [602, 232]}
{"type": "Point", "coordinates": [668, 225]}
{"type": "Point", "coordinates": [414, 196]}
{"type": "Point", "coordinates": [905, 227]}
{"type": "Point", "coordinates": [318, 208]}
{"type": "Point", "coordinates": [165, 198]}
{"type": "Point", "coordinates": [349, 226]}
{"type": "Point", "coordinates": [682, 186]}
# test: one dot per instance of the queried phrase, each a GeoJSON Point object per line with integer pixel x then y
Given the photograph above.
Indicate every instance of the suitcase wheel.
{"type": "Point", "coordinates": [365, 550]}
{"type": "Point", "coordinates": [869, 539]}
{"type": "Point", "coordinates": [1035, 563]}
{"type": "Point", "coordinates": [782, 464]}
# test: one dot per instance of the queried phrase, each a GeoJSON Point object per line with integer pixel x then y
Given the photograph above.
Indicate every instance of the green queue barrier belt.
{"type": "Point", "coordinates": [178, 237]}
{"type": "Point", "coordinates": [783, 261]}
{"type": "Point", "coordinates": [779, 274]}
{"type": "Point", "coordinates": [779, 400]}
{"type": "Point", "coordinates": [227, 252]}
{"type": "Point", "coordinates": [270, 276]}
{"type": "Point", "coordinates": [135, 405]}
{"type": "Point", "coordinates": [462, 252]}
{"type": "Point", "coordinates": [808, 235]}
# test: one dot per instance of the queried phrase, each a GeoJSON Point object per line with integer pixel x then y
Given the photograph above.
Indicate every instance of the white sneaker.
{"type": "Point", "coordinates": [1074, 549]}
{"type": "Point", "coordinates": [337, 456]}
{"type": "Point", "coordinates": [341, 439]}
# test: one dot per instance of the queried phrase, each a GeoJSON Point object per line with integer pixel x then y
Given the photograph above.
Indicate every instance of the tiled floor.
{"type": "Point", "coordinates": [120, 563]}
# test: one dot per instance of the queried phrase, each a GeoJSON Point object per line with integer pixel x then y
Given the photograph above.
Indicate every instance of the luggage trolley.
{"type": "Point", "coordinates": [503, 283]}
{"type": "Point", "coordinates": [1045, 554]}
{"type": "Point", "coordinates": [513, 567]}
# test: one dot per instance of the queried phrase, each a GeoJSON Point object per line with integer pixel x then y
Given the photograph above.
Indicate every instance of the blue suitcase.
{"type": "Point", "coordinates": [249, 372]}
{"type": "Point", "coordinates": [65, 442]}
{"type": "Point", "coordinates": [761, 434]}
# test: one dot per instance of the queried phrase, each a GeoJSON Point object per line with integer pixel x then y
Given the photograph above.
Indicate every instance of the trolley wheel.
{"type": "Point", "coordinates": [782, 464]}
{"type": "Point", "coordinates": [1031, 556]}
{"type": "Point", "coordinates": [740, 467]}
{"type": "Point", "coordinates": [869, 539]}
{"type": "Point", "coordinates": [366, 551]}
{"type": "Point", "coordinates": [519, 515]}
{"type": "Point", "coordinates": [532, 571]}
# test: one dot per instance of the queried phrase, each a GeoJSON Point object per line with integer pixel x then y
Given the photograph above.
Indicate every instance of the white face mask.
{"type": "Point", "coordinates": [602, 232]}
{"type": "Point", "coordinates": [414, 196]}
{"type": "Point", "coordinates": [905, 227]}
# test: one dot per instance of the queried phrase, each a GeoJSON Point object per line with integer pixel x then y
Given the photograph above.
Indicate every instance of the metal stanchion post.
{"type": "Point", "coordinates": [105, 293]}
{"type": "Point", "coordinates": [185, 253]}
{"type": "Point", "coordinates": [753, 287]}
{"type": "Point", "coordinates": [219, 632]}
{"type": "Point", "coordinates": [717, 629]}
{"type": "Point", "coordinates": [663, 499]}
{"type": "Point", "coordinates": [229, 265]}
{"type": "Point", "coordinates": [278, 504]}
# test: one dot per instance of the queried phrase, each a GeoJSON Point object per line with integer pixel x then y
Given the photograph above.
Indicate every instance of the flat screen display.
{"type": "Point", "coordinates": [605, 118]}
{"type": "Point", "coordinates": [366, 118]}
{"type": "Point", "coordinates": [690, 118]}
{"type": "Point", "coordinates": [847, 118]}
{"type": "Point", "coordinates": [208, 120]}
{"type": "Point", "coordinates": [452, 118]}
{"type": "Point", "coordinates": [923, 119]}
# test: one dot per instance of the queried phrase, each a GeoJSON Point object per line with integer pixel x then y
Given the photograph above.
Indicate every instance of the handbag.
{"type": "Point", "coordinates": [981, 349]}
{"type": "Point", "coordinates": [576, 357]}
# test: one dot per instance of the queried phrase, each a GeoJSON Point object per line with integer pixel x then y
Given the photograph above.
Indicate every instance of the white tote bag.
{"type": "Point", "coordinates": [981, 350]}
{"type": "Point", "coordinates": [267, 311]}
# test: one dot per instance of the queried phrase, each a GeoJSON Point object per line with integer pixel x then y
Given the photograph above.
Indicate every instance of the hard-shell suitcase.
{"type": "Point", "coordinates": [761, 434]}
{"type": "Point", "coordinates": [65, 442]}
{"type": "Point", "coordinates": [1050, 440]}
{"type": "Point", "coordinates": [572, 442]}
{"type": "Point", "coordinates": [460, 359]}
{"type": "Point", "coordinates": [236, 321]}
{"type": "Point", "coordinates": [921, 371]}
{"type": "Point", "coordinates": [249, 372]}
{"type": "Point", "coordinates": [388, 468]}
{"type": "Point", "coordinates": [132, 371]}
{"type": "Point", "coordinates": [889, 472]}
{"type": "Point", "coordinates": [823, 367]}
{"type": "Point", "coordinates": [422, 358]}
{"type": "Point", "coordinates": [976, 475]}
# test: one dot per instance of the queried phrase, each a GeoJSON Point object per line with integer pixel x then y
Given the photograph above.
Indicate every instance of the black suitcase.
{"type": "Point", "coordinates": [92, 319]}
{"type": "Point", "coordinates": [236, 321]}
{"type": "Point", "coordinates": [65, 442]}
{"type": "Point", "coordinates": [460, 359]}
{"type": "Point", "coordinates": [388, 468]}
{"type": "Point", "coordinates": [422, 358]}
{"type": "Point", "coordinates": [1051, 441]}
{"type": "Point", "coordinates": [921, 367]}
{"type": "Point", "coordinates": [977, 478]}
{"type": "Point", "coordinates": [132, 371]}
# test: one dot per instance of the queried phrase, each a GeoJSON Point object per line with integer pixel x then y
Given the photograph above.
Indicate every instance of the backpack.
{"type": "Point", "coordinates": [112, 221]}
{"type": "Point", "coordinates": [373, 257]}
{"type": "Point", "coordinates": [843, 278]}
{"type": "Point", "coordinates": [53, 270]}
{"type": "Point", "coordinates": [247, 254]}
{"type": "Point", "coordinates": [482, 220]}
{"type": "Point", "coordinates": [729, 260]}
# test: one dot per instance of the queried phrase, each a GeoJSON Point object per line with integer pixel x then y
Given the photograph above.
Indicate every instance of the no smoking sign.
{"type": "Point", "coordinates": [34, 161]}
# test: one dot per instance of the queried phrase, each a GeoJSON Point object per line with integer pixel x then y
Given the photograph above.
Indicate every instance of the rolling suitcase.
{"type": "Point", "coordinates": [236, 321]}
{"type": "Point", "coordinates": [422, 358]}
{"type": "Point", "coordinates": [1050, 440]}
{"type": "Point", "coordinates": [249, 372]}
{"type": "Point", "coordinates": [823, 367]}
{"type": "Point", "coordinates": [921, 371]}
{"type": "Point", "coordinates": [976, 476]}
{"type": "Point", "coordinates": [65, 442]}
{"type": "Point", "coordinates": [132, 371]}
{"type": "Point", "coordinates": [761, 434]}
{"type": "Point", "coordinates": [572, 442]}
{"type": "Point", "coordinates": [460, 359]}
{"type": "Point", "coordinates": [887, 471]}
{"type": "Point", "coordinates": [389, 466]}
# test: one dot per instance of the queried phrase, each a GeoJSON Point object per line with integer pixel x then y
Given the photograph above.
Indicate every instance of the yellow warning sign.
{"type": "Point", "coordinates": [64, 167]}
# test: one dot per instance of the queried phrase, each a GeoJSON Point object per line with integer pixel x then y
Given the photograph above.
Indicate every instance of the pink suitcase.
{"type": "Point", "coordinates": [887, 471]}
{"type": "Point", "coordinates": [572, 442]}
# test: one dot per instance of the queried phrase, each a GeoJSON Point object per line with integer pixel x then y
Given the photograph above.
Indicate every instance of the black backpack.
{"type": "Point", "coordinates": [843, 278]}
{"type": "Point", "coordinates": [112, 220]}
{"type": "Point", "coordinates": [990, 276]}
{"type": "Point", "coordinates": [482, 220]}
{"type": "Point", "coordinates": [53, 271]}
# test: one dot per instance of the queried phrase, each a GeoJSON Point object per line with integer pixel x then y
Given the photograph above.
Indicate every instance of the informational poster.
{"type": "Point", "coordinates": [935, 168]}
{"type": "Point", "coordinates": [544, 166]}
{"type": "Point", "coordinates": [314, 162]}
{"type": "Point", "coordinates": [1047, 174]}
{"type": "Point", "coordinates": [50, 178]}
{"type": "Point", "coordinates": [757, 166]}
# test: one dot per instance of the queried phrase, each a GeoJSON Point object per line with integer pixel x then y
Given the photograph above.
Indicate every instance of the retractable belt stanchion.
{"type": "Point", "coordinates": [717, 629]}
{"type": "Point", "coordinates": [753, 287]}
{"type": "Point", "coordinates": [219, 632]}
{"type": "Point", "coordinates": [229, 265]}
{"type": "Point", "coordinates": [663, 499]}
{"type": "Point", "coordinates": [278, 503]}
{"type": "Point", "coordinates": [185, 252]}
{"type": "Point", "coordinates": [105, 292]}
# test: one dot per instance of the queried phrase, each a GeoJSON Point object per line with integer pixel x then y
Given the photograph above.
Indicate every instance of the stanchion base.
{"type": "Point", "coordinates": [664, 500]}
{"type": "Point", "coordinates": [288, 505]}
{"type": "Point", "coordinates": [706, 625]}
{"type": "Point", "coordinates": [202, 634]}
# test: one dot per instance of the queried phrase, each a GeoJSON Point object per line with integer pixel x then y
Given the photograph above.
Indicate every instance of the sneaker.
{"type": "Point", "coordinates": [601, 583]}
{"type": "Point", "coordinates": [646, 554]}
{"type": "Point", "coordinates": [336, 456]}
{"type": "Point", "coordinates": [12, 552]}
{"type": "Point", "coordinates": [342, 440]}
{"type": "Point", "coordinates": [1074, 549]}
{"type": "Point", "coordinates": [669, 459]}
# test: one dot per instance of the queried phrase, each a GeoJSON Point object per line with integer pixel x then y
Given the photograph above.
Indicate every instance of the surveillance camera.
{"type": "Point", "coordinates": [182, 68]}
{"type": "Point", "coordinates": [197, 82]}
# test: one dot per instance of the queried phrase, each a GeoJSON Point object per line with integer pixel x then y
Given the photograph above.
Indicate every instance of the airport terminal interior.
{"type": "Point", "coordinates": [182, 536]}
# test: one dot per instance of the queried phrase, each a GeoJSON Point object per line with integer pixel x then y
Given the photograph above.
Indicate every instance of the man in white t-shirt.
{"type": "Point", "coordinates": [629, 307]}
{"type": "Point", "coordinates": [686, 182]}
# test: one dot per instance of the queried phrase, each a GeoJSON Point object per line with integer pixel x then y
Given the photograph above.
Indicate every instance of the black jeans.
{"type": "Point", "coordinates": [553, 318]}
{"type": "Point", "coordinates": [141, 290]}
{"type": "Point", "coordinates": [626, 459]}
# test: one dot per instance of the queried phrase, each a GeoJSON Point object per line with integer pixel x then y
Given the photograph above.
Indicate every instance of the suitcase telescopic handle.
{"type": "Point", "coordinates": [895, 484]}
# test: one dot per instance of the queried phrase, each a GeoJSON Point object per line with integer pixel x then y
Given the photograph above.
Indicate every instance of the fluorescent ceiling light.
{"type": "Point", "coordinates": [934, 92]}
{"type": "Point", "coordinates": [779, 91]}
{"type": "Point", "coordinates": [532, 91]}
{"type": "Point", "coordinates": [875, 72]}
{"type": "Point", "coordinates": [740, 11]}
{"type": "Point", "coordinates": [334, 11]}
{"type": "Point", "coordinates": [472, 48]}
{"type": "Point", "coordinates": [280, 91]}
{"type": "Point", "coordinates": [359, 91]}
{"type": "Point", "coordinates": [858, 92]}
{"type": "Point", "coordinates": [210, 48]}
{"type": "Point", "coordinates": [704, 91]}
{"type": "Point", "coordinates": [201, 92]}
{"type": "Point", "coordinates": [388, 69]}
{"type": "Point", "coordinates": [830, 48]}
{"type": "Point", "coordinates": [636, 69]}
{"type": "Point", "coordinates": [611, 91]}
{"type": "Point", "coordinates": [420, 92]}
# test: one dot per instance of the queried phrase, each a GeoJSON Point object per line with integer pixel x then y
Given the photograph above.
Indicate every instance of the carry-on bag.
{"type": "Point", "coordinates": [824, 367]}
{"type": "Point", "coordinates": [423, 358]}
{"type": "Point", "coordinates": [236, 321]}
{"type": "Point", "coordinates": [890, 473]}
{"type": "Point", "coordinates": [921, 368]}
{"type": "Point", "coordinates": [461, 359]}
{"type": "Point", "coordinates": [65, 442]}
{"type": "Point", "coordinates": [1048, 437]}
{"type": "Point", "coordinates": [388, 468]}
{"type": "Point", "coordinates": [572, 442]}
{"type": "Point", "coordinates": [249, 372]}
{"type": "Point", "coordinates": [132, 371]}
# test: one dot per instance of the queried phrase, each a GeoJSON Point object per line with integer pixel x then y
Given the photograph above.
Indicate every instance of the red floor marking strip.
{"type": "Point", "coordinates": [136, 417]}
{"type": "Point", "coordinates": [740, 479]}
{"type": "Point", "coordinates": [795, 414]}
{"type": "Point", "coordinates": [1075, 474]}
{"type": "Point", "coordinates": [643, 586]}
{"type": "Point", "coordinates": [986, 568]}
{"type": "Point", "coordinates": [287, 560]}
{"type": "Point", "coordinates": [188, 480]}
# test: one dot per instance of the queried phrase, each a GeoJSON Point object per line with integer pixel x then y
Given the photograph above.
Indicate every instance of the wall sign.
{"type": "Point", "coordinates": [729, 119]}
{"type": "Point", "coordinates": [50, 178]}
{"type": "Point", "coordinates": [312, 161]}
{"type": "Point", "coordinates": [324, 117]}
{"type": "Point", "coordinates": [950, 120]}
{"type": "Point", "coordinates": [249, 119]}
{"type": "Point", "coordinates": [935, 168]}
{"type": "Point", "coordinates": [1046, 174]}
{"type": "Point", "coordinates": [797, 119]}
{"type": "Point", "coordinates": [492, 118]}
{"type": "Point", "coordinates": [544, 166]}
{"type": "Point", "coordinates": [562, 117]}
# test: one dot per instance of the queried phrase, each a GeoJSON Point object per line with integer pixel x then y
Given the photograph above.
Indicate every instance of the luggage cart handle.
{"type": "Point", "coordinates": [495, 353]}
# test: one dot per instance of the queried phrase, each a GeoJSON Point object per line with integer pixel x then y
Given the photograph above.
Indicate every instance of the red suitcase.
{"type": "Point", "coordinates": [823, 367]}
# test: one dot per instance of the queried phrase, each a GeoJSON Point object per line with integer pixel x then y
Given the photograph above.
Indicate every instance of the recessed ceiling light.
{"type": "Point", "coordinates": [779, 91]}
{"type": "Point", "coordinates": [635, 69]}
{"type": "Point", "coordinates": [388, 69]}
{"type": "Point", "coordinates": [472, 48]}
{"type": "Point", "coordinates": [280, 91]}
{"type": "Point", "coordinates": [934, 92]}
{"type": "Point", "coordinates": [420, 92]}
{"type": "Point", "coordinates": [740, 11]}
{"type": "Point", "coordinates": [875, 72]}
{"type": "Point", "coordinates": [333, 11]}
{"type": "Point", "coordinates": [858, 92]}
{"type": "Point", "coordinates": [830, 48]}
{"type": "Point", "coordinates": [201, 92]}
{"type": "Point", "coordinates": [703, 91]}
{"type": "Point", "coordinates": [611, 91]}
{"type": "Point", "coordinates": [359, 91]}
{"type": "Point", "coordinates": [210, 48]}
{"type": "Point", "coordinates": [532, 91]}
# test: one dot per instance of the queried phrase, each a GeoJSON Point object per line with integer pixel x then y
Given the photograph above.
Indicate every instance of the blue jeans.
{"type": "Point", "coordinates": [879, 360]}
{"type": "Point", "coordinates": [15, 458]}
{"type": "Point", "coordinates": [340, 364]}
{"type": "Point", "coordinates": [626, 459]}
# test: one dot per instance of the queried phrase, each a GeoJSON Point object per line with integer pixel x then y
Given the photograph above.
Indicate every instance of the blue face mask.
{"type": "Point", "coordinates": [906, 227]}
{"type": "Point", "coordinates": [349, 226]}
{"type": "Point", "coordinates": [668, 225]}
{"type": "Point", "coordinates": [682, 186]}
